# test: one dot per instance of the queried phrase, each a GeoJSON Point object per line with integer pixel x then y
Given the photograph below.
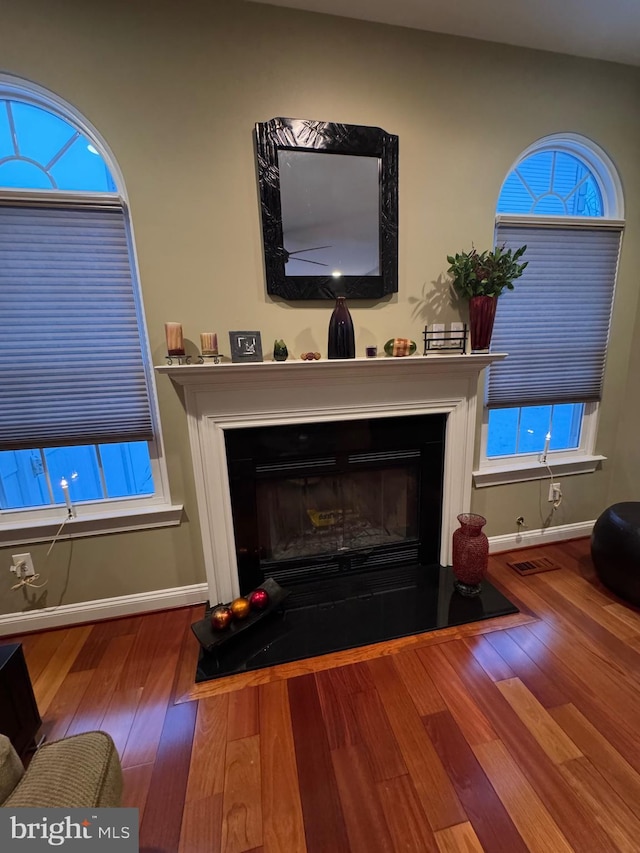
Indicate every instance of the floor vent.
{"type": "Point", "coordinates": [532, 567]}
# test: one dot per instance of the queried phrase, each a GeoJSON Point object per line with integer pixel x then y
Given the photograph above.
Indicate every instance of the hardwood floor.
{"type": "Point", "coordinates": [504, 736]}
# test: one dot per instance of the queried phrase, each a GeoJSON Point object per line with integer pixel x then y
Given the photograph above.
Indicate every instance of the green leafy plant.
{"type": "Point", "coordinates": [486, 273]}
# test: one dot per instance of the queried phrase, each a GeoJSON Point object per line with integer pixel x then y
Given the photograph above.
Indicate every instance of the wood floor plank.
{"type": "Point", "coordinates": [459, 839]}
{"type": "Point", "coordinates": [491, 823]}
{"type": "Point", "coordinates": [201, 830]}
{"type": "Point", "coordinates": [146, 731]}
{"type": "Point", "coordinates": [120, 714]}
{"type": "Point", "coordinates": [405, 816]}
{"type": "Point", "coordinates": [91, 710]}
{"type": "Point", "coordinates": [590, 600]}
{"type": "Point", "coordinates": [38, 649]}
{"type": "Point", "coordinates": [548, 692]}
{"type": "Point", "coordinates": [337, 711]}
{"type": "Point", "coordinates": [242, 797]}
{"type": "Point", "coordinates": [474, 724]}
{"type": "Point", "coordinates": [161, 825]}
{"type": "Point", "coordinates": [243, 713]}
{"type": "Point", "coordinates": [324, 822]}
{"type": "Point", "coordinates": [418, 683]}
{"type": "Point", "coordinates": [493, 664]}
{"type": "Point", "coordinates": [534, 823]}
{"type": "Point", "coordinates": [578, 824]}
{"type": "Point", "coordinates": [159, 636]}
{"type": "Point", "coordinates": [596, 640]}
{"type": "Point", "coordinates": [597, 707]}
{"type": "Point", "coordinates": [624, 780]}
{"type": "Point", "coordinates": [56, 670]}
{"type": "Point", "coordinates": [208, 757]}
{"type": "Point", "coordinates": [64, 704]}
{"type": "Point", "coordinates": [364, 816]}
{"type": "Point", "coordinates": [283, 823]}
{"type": "Point", "coordinates": [377, 736]}
{"type": "Point", "coordinates": [137, 781]}
{"type": "Point", "coordinates": [435, 790]}
{"type": "Point", "coordinates": [611, 812]}
{"type": "Point", "coordinates": [188, 658]}
{"type": "Point", "coordinates": [602, 676]}
{"type": "Point", "coordinates": [551, 737]}
{"type": "Point", "coordinates": [93, 648]}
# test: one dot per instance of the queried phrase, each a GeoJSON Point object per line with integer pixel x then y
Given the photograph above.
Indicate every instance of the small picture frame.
{"type": "Point", "coordinates": [245, 346]}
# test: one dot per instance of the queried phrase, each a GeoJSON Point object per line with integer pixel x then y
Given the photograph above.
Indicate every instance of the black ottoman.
{"type": "Point", "coordinates": [615, 549]}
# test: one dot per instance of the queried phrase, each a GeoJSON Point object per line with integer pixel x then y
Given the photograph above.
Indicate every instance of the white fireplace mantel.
{"type": "Point", "coordinates": [233, 396]}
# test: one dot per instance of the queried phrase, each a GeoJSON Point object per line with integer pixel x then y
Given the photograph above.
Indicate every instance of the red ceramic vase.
{"type": "Point", "coordinates": [470, 553]}
{"type": "Point", "coordinates": [482, 313]}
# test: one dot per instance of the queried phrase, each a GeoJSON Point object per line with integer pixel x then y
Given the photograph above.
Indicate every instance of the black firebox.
{"type": "Point", "coordinates": [315, 501]}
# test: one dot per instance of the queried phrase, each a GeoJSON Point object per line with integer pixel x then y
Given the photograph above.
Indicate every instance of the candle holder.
{"type": "Point", "coordinates": [180, 359]}
{"type": "Point", "coordinates": [438, 339]}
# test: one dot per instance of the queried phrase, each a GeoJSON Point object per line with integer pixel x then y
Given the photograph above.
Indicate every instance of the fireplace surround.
{"type": "Point", "coordinates": [222, 400]}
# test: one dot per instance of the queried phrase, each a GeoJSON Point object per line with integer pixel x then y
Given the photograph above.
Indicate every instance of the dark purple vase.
{"type": "Point", "coordinates": [342, 342]}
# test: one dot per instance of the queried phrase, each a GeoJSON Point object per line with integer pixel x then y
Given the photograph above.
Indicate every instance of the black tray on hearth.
{"type": "Point", "coordinates": [211, 640]}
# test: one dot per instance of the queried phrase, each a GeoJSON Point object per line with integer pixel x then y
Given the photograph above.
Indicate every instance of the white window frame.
{"type": "Point", "coordinates": [136, 512]}
{"type": "Point", "coordinates": [515, 468]}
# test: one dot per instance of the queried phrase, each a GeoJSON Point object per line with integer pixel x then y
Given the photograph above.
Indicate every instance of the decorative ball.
{"type": "Point", "coordinates": [240, 608]}
{"type": "Point", "coordinates": [259, 599]}
{"type": "Point", "coordinates": [221, 617]}
{"type": "Point", "coordinates": [400, 347]}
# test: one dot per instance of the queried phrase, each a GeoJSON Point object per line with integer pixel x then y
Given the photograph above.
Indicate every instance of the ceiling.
{"type": "Point", "coordinates": [599, 29]}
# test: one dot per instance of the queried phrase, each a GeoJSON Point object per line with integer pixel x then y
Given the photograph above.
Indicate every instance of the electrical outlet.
{"type": "Point", "coordinates": [23, 565]}
{"type": "Point", "coordinates": [555, 492]}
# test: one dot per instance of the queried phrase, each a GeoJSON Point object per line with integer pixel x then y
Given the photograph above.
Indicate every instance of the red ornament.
{"type": "Point", "coordinates": [259, 599]}
{"type": "Point", "coordinates": [221, 618]}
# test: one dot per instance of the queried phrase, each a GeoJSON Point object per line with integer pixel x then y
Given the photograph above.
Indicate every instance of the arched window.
{"type": "Point", "coordinates": [563, 200]}
{"type": "Point", "coordinates": [77, 422]}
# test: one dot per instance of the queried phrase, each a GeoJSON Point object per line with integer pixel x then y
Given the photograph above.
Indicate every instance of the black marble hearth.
{"type": "Point", "coordinates": [330, 615]}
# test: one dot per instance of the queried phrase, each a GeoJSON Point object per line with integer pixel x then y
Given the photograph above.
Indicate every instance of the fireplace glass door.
{"type": "Point", "coordinates": [306, 517]}
{"type": "Point", "coordinates": [314, 500]}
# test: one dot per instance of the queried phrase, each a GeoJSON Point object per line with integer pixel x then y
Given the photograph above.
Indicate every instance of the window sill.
{"type": "Point", "coordinates": [514, 472]}
{"type": "Point", "coordinates": [90, 524]}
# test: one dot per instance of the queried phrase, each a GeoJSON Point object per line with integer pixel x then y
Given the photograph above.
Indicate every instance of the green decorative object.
{"type": "Point", "coordinates": [280, 351]}
{"type": "Point", "coordinates": [400, 347]}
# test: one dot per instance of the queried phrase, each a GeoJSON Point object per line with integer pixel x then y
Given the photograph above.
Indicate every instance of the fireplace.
{"type": "Point", "coordinates": [315, 501]}
{"type": "Point", "coordinates": [223, 401]}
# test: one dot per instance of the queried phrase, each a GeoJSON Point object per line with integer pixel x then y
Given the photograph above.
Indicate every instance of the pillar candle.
{"type": "Point", "coordinates": [175, 342]}
{"type": "Point", "coordinates": [209, 343]}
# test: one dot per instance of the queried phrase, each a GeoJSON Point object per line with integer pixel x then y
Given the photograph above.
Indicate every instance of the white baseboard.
{"type": "Point", "coordinates": [543, 536]}
{"type": "Point", "coordinates": [105, 608]}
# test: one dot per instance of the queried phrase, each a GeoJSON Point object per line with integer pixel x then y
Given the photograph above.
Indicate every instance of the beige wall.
{"type": "Point", "coordinates": [176, 88]}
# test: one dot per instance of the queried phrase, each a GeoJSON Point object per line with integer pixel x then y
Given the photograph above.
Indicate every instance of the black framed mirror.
{"type": "Point", "coordinates": [329, 202]}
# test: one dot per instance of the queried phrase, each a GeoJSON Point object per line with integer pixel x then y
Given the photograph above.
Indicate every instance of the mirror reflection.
{"type": "Point", "coordinates": [330, 205]}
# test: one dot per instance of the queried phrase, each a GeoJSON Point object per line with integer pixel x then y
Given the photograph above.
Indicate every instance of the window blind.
{"type": "Point", "coordinates": [555, 324]}
{"type": "Point", "coordinates": [72, 369]}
